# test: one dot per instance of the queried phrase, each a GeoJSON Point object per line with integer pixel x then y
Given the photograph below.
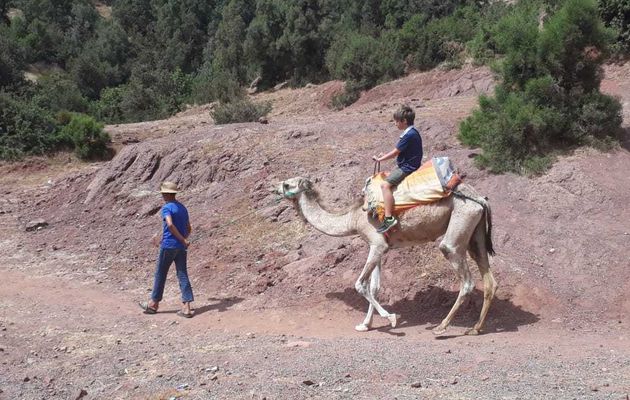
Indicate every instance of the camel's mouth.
{"type": "Point", "coordinates": [275, 188]}
{"type": "Point", "coordinates": [281, 189]}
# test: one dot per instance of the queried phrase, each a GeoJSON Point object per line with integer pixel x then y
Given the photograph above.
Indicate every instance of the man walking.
{"type": "Point", "coordinates": [173, 247]}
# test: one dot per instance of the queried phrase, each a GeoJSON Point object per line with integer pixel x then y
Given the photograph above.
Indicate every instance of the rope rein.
{"type": "Point", "coordinates": [377, 167]}
{"type": "Point", "coordinates": [233, 221]}
{"type": "Point", "coordinates": [272, 204]}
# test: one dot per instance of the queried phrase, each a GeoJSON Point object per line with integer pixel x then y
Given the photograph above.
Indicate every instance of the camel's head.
{"type": "Point", "coordinates": [292, 187]}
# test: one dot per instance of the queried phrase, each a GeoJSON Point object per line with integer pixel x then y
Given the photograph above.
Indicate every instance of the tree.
{"type": "Point", "coordinates": [363, 60]}
{"type": "Point", "coordinates": [104, 60]}
{"type": "Point", "coordinates": [549, 97]}
{"type": "Point", "coordinates": [24, 128]}
{"type": "Point", "coordinates": [11, 59]}
{"type": "Point", "coordinates": [616, 14]}
{"type": "Point", "coordinates": [301, 39]}
{"type": "Point", "coordinates": [573, 45]}
{"type": "Point", "coordinates": [260, 48]}
{"type": "Point", "coordinates": [57, 92]}
{"type": "Point", "coordinates": [180, 31]}
{"type": "Point", "coordinates": [4, 8]}
{"type": "Point", "coordinates": [225, 49]}
{"type": "Point", "coordinates": [135, 16]}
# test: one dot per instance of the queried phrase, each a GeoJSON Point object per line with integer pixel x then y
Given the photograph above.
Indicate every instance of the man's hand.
{"type": "Point", "coordinates": [155, 239]}
{"type": "Point", "coordinates": [377, 158]}
{"type": "Point", "coordinates": [186, 243]}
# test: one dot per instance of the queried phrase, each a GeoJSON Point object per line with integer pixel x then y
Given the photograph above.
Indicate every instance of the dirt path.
{"type": "Point", "coordinates": [61, 339]}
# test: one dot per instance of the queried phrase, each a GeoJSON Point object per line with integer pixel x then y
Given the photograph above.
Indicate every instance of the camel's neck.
{"type": "Point", "coordinates": [324, 221]}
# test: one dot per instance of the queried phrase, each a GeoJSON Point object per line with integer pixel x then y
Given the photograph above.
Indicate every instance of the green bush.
{"type": "Point", "coordinates": [11, 59]}
{"type": "Point", "coordinates": [130, 102]}
{"type": "Point", "coordinates": [364, 60]}
{"type": "Point", "coordinates": [25, 128]}
{"type": "Point", "coordinates": [220, 86]}
{"type": "Point", "coordinates": [599, 118]}
{"type": "Point", "coordinates": [150, 95]}
{"type": "Point", "coordinates": [516, 37]}
{"type": "Point", "coordinates": [87, 137]}
{"type": "Point", "coordinates": [573, 45]}
{"type": "Point", "coordinates": [429, 42]}
{"type": "Point", "coordinates": [243, 110]}
{"type": "Point", "coordinates": [350, 94]}
{"type": "Point", "coordinates": [109, 107]}
{"type": "Point", "coordinates": [56, 92]}
{"type": "Point", "coordinates": [514, 133]}
{"type": "Point", "coordinates": [483, 46]}
{"type": "Point", "coordinates": [549, 99]}
{"type": "Point", "coordinates": [616, 15]}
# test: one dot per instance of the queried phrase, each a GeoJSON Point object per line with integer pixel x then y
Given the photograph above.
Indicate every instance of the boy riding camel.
{"type": "Point", "coordinates": [408, 153]}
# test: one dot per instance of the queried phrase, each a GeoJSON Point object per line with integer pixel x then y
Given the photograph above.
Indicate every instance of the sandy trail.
{"type": "Point", "coordinates": [60, 337]}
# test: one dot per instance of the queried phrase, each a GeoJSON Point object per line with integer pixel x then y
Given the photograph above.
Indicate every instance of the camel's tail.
{"type": "Point", "coordinates": [488, 214]}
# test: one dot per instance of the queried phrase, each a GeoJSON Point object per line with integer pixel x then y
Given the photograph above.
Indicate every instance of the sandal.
{"type": "Point", "coordinates": [147, 309]}
{"type": "Point", "coordinates": [185, 315]}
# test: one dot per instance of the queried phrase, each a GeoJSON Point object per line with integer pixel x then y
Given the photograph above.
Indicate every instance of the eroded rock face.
{"type": "Point", "coordinates": [35, 225]}
{"type": "Point", "coordinates": [139, 169]}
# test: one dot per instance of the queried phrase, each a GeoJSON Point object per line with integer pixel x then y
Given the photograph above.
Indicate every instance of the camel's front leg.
{"type": "Point", "coordinates": [374, 259]}
{"type": "Point", "coordinates": [375, 285]}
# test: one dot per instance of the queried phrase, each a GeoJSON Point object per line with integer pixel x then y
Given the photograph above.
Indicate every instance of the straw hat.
{"type": "Point", "coordinates": [168, 187]}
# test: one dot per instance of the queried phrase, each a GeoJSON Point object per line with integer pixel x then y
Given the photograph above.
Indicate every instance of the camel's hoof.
{"type": "Point", "coordinates": [439, 331]}
{"type": "Point", "coordinates": [393, 319]}
{"type": "Point", "coordinates": [361, 328]}
{"type": "Point", "coordinates": [472, 332]}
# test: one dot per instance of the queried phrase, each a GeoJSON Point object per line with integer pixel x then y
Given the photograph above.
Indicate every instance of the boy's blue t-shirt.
{"type": "Point", "coordinates": [410, 147]}
{"type": "Point", "coordinates": [179, 215]}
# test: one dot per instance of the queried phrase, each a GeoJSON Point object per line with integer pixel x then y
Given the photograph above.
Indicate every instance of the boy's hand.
{"type": "Point", "coordinates": [186, 243]}
{"type": "Point", "coordinates": [377, 158]}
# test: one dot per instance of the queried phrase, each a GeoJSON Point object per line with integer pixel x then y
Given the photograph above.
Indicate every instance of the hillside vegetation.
{"type": "Point", "coordinates": [138, 60]}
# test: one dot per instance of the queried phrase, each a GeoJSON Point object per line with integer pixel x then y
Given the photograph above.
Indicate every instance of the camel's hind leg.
{"type": "Point", "coordinates": [454, 246]}
{"type": "Point", "coordinates": [374, 259]}
{"type": "Point", "coordinates": [478, 251]}
{"type": "Point", "coordinates": [375, 285]}
{"type": "Point", "coordinates": [457, 259]}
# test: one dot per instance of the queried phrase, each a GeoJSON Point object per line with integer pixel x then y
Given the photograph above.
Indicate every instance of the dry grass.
{"type": "Point", "coordinates": [37, 171]}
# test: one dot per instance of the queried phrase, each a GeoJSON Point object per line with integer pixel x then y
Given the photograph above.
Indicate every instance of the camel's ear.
{"type": "Point", "coordinates": [305, 184]}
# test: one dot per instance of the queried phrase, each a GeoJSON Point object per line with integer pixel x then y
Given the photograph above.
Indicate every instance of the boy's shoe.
{"type": "Point", "coordinates": [388, 223]}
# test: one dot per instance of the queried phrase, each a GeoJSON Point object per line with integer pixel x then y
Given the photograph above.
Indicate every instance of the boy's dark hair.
{"type": "Point", "coordinates": [405, 113]}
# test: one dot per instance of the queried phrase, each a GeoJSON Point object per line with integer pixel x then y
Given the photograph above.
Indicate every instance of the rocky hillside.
{"type": "Point", "coordinates": [562, 239]}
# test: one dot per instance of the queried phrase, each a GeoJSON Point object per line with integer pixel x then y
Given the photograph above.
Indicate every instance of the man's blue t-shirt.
{"type": "Point", "coordinates": [179, 215]}
{"type": "Point", "coordinates": [410, 147]}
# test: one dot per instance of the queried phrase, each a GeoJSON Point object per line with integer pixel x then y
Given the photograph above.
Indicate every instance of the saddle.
{"type": "Point", "coordinates": [433, 181]}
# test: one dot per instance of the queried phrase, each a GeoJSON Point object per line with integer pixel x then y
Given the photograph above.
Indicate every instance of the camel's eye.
{"type": "Point", "coordinates": [285, 186]}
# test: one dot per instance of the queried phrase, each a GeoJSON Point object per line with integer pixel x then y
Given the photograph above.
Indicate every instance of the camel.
{"type": "Point", "coordinates": [463, 219]}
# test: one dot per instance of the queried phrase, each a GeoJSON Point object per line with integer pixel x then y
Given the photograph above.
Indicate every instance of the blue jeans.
{"type": "Point", "coordinates": [165, 259]}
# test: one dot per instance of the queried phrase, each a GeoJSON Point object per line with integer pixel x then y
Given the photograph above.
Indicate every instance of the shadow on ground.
{"type": "Point", "coordinates": [220, 305]}
{"type": "Point", "coordinates": [431, 305]}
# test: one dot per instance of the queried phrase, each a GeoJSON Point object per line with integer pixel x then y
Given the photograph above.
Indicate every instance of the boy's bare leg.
{"type": "Point", "coordinates": [388, 198]}
{"type": "Point", "coordinates": [186, 309]}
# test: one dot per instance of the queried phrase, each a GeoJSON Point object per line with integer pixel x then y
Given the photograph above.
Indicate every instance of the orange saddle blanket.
{"type": "Point", "coordinates": [433, 181]}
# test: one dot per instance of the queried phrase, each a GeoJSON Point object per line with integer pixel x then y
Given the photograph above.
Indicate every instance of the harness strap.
{"type": "Point", "coordinates": [463, 196]}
